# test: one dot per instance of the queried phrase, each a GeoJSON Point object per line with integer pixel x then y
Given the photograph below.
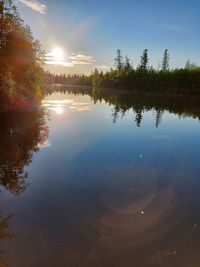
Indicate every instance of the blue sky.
{"type": "Point", "coordinates": [89, 32]}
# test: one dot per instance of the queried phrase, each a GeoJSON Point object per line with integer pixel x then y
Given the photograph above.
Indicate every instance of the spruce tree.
{"type": "Point", "coordinates": [127, 65]}
{"type": "Point", "coordinates": [119, 60]}
{"type": "Point", "coordinates": [144, 61]}
{"type": "Point", "coordinates": [165, 60]}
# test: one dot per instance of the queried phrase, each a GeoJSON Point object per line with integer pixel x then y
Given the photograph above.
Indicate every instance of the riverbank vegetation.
{"type": "Point", "coordinates": [184, 81]}
{"type": "Point", "coordinates": [21, 72]}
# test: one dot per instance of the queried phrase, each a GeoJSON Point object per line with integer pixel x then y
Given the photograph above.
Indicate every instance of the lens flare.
{"type": "Point", "coordinates": [57, 53]}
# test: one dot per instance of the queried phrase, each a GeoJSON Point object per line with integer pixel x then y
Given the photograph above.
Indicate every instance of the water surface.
{"type": "Point", "coordinates": [101, 178]}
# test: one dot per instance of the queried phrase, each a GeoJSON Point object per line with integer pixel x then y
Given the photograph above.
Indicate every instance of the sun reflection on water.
{"type": "Point", "coordinates": [59, 106]}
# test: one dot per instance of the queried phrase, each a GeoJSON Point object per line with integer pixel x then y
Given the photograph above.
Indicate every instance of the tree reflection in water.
{"type": "Point", "coordinates": [124, 101]}
{"type": "Point", "coordinates": [122, 204]}
{"type": "Point", "coordinates": [21, 134]}
{"type": "Point", "coordinates": [5, 233]}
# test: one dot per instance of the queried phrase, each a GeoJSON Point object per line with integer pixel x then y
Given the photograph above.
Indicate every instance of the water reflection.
{"type": "Point", "coordinates": [103, 194]}
{"type": "Point", "coordinates": [149, 213]}
{"type": "Point", "coordinates": [59, 106]}
{"type": "Point", "coordinates": [6, 233]}
{"type": "Point", "coordinates": [125, 101]}
{"type": "Point", "coordinates": [21, 135]}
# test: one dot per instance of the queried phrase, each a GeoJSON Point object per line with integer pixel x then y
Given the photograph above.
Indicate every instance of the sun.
{"type": "Point", "coordinates": [59, 110]}
{"type": "Point", "coordinates": [57, 53]}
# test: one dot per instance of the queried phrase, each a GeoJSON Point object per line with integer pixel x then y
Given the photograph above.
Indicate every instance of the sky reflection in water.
{"type": "Point", "coordinates": [99, 193]}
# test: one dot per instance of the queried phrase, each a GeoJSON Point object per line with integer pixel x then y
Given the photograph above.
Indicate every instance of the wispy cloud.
{"type": "Point", "coordinates": [35, 5]}
{"type": "Point", "coordinates": [71, 61]}
{"type": "Point", "coordinates": [59, 63]}
{"type": "Point", "coordinates": [81, 59]}
{"type": "Point", "coordinates": [51, 59]}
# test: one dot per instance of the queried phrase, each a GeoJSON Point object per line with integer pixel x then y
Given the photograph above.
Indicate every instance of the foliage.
{"type": "Point", "coordinates": [184, 81]}
{"type": "Point", "coordinates": [74, 79]}
{"type": "Point", "coordinates": [21, 72]}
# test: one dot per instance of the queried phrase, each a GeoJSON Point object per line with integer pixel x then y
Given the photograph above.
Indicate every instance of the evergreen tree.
{"type": "Point", "coordinates": [119, 60]}
{"type": "Point", "coordinates": [144, 61]}
{"type": "Point", "coordinates": [165, 60]}
{"type": "Point", "coordinates": [95, 77]}
{"type": "Point", "coordinates": [127, 65]}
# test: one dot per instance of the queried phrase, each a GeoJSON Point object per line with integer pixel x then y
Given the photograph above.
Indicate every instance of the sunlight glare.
{"type": "Point", "coordinates": [59, 110]}
{"type": "Point", "coordinates": [57, 53]}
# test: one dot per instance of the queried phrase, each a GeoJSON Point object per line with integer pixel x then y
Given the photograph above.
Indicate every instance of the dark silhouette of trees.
{"type": "Point", "coordinates": [144, 61]}
{"type": "Point", "coordinates": [184, 81]}
{"type": "Point", "coordinates": [127, 65]}
{"type": "Point", "coordinates": [165, 60]}
{"type": "Point", "coordinates": [119, 60]}
{"type": "Point", "coordinates": [74, 79]}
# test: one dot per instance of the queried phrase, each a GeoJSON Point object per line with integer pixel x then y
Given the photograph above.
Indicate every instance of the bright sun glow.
{"type": "Point", "coordinates": [59, 110]}
{"type": "Point", "coordinates": [57, 53]}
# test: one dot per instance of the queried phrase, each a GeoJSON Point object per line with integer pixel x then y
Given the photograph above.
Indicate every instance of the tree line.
{"type": "Point", "coordinates": [21, 57]}
{"type": "Point", "coordinates": [182, 81]}
{"type": "Point", "coordinates": [22, 74]}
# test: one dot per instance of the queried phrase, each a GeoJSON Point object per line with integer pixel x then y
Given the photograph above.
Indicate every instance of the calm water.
{"type": "Point", "coordinates": [98, 178]}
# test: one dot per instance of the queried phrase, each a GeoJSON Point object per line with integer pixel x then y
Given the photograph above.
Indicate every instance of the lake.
{"type": "Point", "coordinates": [101, 178]}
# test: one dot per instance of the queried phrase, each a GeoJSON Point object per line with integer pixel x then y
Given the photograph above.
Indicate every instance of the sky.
{"type": "Point", "coordinates": [79, 36]}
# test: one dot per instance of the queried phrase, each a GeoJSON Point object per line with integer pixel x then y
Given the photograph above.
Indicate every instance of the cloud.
{"type": "Point", "coordinates": [34, 5]}
{"type": "Point", "coordinates": [51, 59]}
{"type": "Point", "coordinates": [59, 63]}
{"type": "Point", "coordinates": [71, 61]}
{"type": "Point", "coordinates": [81, 59]}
